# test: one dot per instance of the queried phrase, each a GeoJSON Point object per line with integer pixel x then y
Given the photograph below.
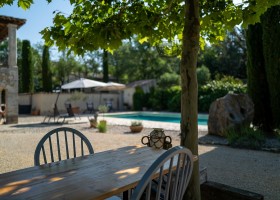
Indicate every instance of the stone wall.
{"type": "Point", "coordinates": [9, 83]}
{"type": "Point", "coordinates": [45, 101]}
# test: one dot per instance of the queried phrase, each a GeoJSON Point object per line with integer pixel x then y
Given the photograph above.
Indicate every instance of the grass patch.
{"type": "Point", "coordinates": [246, 137]}
{"type": "Point", "coordinates": [102, 127]}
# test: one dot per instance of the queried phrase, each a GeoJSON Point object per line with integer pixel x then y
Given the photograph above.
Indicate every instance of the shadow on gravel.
{"type": "Point", "coordinates": [244, 169]}
{"type": "Point", "coordinates": [44, 125]}
{"type": "Point", "coordinates": [129, 132]}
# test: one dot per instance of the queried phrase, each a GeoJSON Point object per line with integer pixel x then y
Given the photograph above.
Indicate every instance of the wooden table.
{"type": "Point", "coordinates": [96, 176]}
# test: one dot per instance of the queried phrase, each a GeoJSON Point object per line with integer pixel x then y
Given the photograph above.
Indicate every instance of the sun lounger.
{"type": "Point", "coordinates": [55, 115]}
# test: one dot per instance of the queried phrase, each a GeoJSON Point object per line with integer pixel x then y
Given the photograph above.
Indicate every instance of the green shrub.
{"type": "Point", "coordinates": [168, 80]}
{"type": "Point", "coordinates": [246, 137]}
{"type": "Point", "coordinates": [150, 99]}
{"type": "Point", "coordinates": [174, 100]}
{"type": "Point", "coordinates": [165, 99]}
{"type": "Point", "coordinates": [102, 127]}
{"type": "Point", "coordinates": [103, 109]}
{"type": "Point", "coordinates": [157, 99]}
{"type": "Point", "coordinates": [203, 75]}
{"type": "Point", "coordinates": [138, 99]}
{"type": "Point", "coordinates": [216, 89]}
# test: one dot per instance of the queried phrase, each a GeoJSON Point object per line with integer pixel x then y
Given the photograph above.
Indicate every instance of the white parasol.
{"type": "Point", "coordinates": [83, 83]}
{"type": "Point", "coordinates": [111, 86]}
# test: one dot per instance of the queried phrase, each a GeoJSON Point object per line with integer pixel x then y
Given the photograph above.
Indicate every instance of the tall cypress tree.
{"type": "Point", "coordinates": [46, 73]}
{"type": "Point", "coordinates": [105, 66]}
{"type": "Point", "coordinates": [257, 82]}
{"type": "Point", "coordinates": [263, 45]}
{"type": "Point", "coordinates": [271, 48]}
{"type": "Point", "coordinates": [27, 83]}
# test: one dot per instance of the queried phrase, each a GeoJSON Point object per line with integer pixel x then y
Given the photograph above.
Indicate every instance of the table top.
{"type": "Point", "coordinates": [96, 176]}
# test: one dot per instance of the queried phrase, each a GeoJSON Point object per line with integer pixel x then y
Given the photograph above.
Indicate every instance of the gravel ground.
{"type": "Point", "coordinates": [256, 171]}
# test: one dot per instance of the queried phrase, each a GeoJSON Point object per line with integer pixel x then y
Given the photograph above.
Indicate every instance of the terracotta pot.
{"type": "Point", "coordinates": [76, 110]}
{"type": "Point", "coordinates": [136, 129]}
{"type": "Point", "coordinates": [35, 112]}
{"type": "Point", "coordinates": [93, 124]}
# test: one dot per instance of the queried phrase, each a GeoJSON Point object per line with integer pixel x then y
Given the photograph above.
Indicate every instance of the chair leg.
{"type": "Point", "coordinates": [125, 195]}
{"type": "Point", "coordinates": [63, 120]}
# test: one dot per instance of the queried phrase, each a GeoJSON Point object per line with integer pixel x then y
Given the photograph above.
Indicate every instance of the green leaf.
{"type": "Point", "coordinates": [142, 40]}
{"type": "Point", "coordinates": [4, 2]}
{"type": "Point", "coordinates": [67, 27]}
{"type": "Point", "coordinates": [25, 4]}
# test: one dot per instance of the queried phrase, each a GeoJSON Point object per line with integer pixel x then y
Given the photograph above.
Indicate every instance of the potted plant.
{"type": "Point", "coordinates": [136, 126]}
{"type": "Point", "coordinates": [93, 121]}
{"type": "Point", "coordinates": [102, 127]}
{"type": "Point", "coordinates": [35, 111]}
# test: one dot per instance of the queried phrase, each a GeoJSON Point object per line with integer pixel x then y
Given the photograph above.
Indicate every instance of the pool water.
{"type": "Point", "coordinates": [160, 117]}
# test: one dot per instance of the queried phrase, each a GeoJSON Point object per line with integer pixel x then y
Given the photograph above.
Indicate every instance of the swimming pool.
{"type": "Point", "coordinates": [160, 117]}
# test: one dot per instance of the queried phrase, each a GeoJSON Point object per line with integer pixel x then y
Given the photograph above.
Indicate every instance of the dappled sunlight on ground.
{"type": "Point", "coordinates": [256, 171]}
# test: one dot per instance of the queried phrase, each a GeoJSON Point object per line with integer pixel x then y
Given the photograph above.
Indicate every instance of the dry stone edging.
{"type": "Point", "coordinates": [271, 145]}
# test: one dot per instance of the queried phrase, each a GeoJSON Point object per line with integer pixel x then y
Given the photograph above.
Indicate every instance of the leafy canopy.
{"type": "Point", "coordinates": [105, 23]}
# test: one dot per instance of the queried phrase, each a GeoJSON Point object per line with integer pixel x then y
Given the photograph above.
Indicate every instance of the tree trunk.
{"type": "Point", "coordinates": [105, 66]}
{"type": "Point", "coordinates": [189, 127]}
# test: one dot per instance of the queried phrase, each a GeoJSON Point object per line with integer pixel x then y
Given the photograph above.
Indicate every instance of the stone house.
{"type": "Point", "coordinates": [9, 69]}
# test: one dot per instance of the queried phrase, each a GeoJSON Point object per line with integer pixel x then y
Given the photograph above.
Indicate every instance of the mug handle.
{"type": "Point", "coordinates": [147, 143]}
{"type": "Point", "coordinates": [170, 140]}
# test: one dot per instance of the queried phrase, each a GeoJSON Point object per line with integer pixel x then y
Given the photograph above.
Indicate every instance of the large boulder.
{"type": "Point", "coordinates": [230, 111]}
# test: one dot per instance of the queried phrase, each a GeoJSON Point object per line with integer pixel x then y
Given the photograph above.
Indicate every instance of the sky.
{"type": "Point", "coordinates": [38, 17]}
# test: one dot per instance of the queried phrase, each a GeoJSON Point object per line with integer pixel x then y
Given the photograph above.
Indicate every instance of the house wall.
{"type": "Point", "coordinates": [9, 78]}
{"type": "Point", "coordinates": [9, 83]}
{"type": "Point", "coordinates": [45, 101]}
{"type": "Point", "coordinates": [146, 88]}
{"type": "Point", "coordinates": [128, 96]}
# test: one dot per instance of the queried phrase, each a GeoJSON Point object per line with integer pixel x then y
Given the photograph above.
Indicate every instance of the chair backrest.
{"type": "Point", "coordinates": [172, 172]}
{"type": "Point", "coordinates": [68, 105]}
{"type": "Point", "coordinates": [90, 107]}
{"type": "Point", "coordinates": [68, 142]}
{"type": "Point", "coordinates": [70, 112]}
